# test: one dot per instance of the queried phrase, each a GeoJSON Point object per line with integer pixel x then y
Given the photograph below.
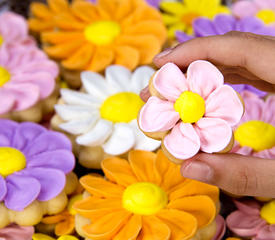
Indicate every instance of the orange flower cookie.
{"type": "Point", "coordinates": [145, 198]}
{"type": "Point", "coordinates": [94, 36]}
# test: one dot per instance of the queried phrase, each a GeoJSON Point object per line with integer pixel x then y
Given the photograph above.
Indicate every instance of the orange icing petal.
{"type": "Point", "coordinates": [106, 226]}
{"type": "Point", "coordinates": [64, 50]}
{"type": "Point", "coordinates": [182, 225]}
{"type": "Point", "coordinates": [100, 187]}
{"type": "Point", "coordinates": [201, 207]}
{"type": "Point", "coordinates": [191, 188]}
{"type": "Point", "coordinates": [107, 6]}
{"type": "Point", "coordinates": [127, 56]}
{"type": "Point", "coordinates": [142, 164]}
{"type": "Point", "coordinates": [85, 11]}
{"type": "Point", "coordinates": [60, 37]}
{"type": "Point", "coordinates": [54, 219]}
{"type": "Point", "coordinates": [40, 10]}
{"type": "Point", "coordinates": [66, 21]}
{"type": "Point", "coordinates": [80, 59]}
{"type": "Point", "coordinates": [148, 27]}
{"type": "Point", "coordinates": [147, 45]}
{"type": "Point", "coordinates": [65, 227]}
{"type": "Point", "coordinates": [153, 229]}
{"type": "Point", "coordinates": [124, 9]}
{"type": "Point", "coordinates": [37, 25]}
{"type": "Point", "coordinates": [58, 6]}
{"type": "Point", "coordinates": [130, 230]}
{"type": "Point", "coordinates": [148, 13]}
{"type": "Point", "coordinates": [118, 170]}
{"type": "Point", "coordinates": [102, 58]}
{"type": "Point", "coordinates": [93, 207]}
{"type": "Point", "coordinates": [169, 171]}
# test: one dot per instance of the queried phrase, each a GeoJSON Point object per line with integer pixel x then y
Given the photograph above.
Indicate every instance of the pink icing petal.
{"type": "Point", "coordinates": [249, 207]}
{"type": "Point", "coordinates": [243, 224]}
{"type": "Point", "coordinates": [248, 94]}
{"type": "Point", "coordinates": [203, 78]}
{"type": "Point", "coordinates": [183, 141]}
{"type": "Point", "coordinates": [170, 82]}
{"type": "Point", "coordinates": [268, 153]}
{"type": "Point", "coordinates": [269, 110]}
{"type": "Point", "coordinates": [157, 115]}
{"type": "Point", "coordinates": [25, 94]}
{"type": "Point", "coordinates": [4, 55]}
{"type": "Point", "coordinates": [265, 4]}
{"type": "Point", "coordinates": [225, 104]}
{"type": "Point", "coordinates": [266, 233]}
{"type": "Point", "coordinates": [246, 151]}
{"type": "Point", "coordinates": [7, 101]}
{"type": "Point", "coordinates": [220, 228]}
{"type": "Point", "coordinates": [215, 134]}
{"type": "Point", "coordinates": [13, 27]}
{"type": "Point", "coordinates": [14, 231]}
{"type": "Point", "coordinates": [244, 8]}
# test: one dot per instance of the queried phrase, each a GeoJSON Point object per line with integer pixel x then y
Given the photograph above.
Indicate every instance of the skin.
{"type": "Point", "coordinates": [242, 58]}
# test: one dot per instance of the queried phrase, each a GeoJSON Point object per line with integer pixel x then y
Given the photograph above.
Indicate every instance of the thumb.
{"type": "Point", "coordinates": [237, 174]}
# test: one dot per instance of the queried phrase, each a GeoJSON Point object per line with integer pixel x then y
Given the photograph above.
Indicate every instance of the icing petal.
{"type": "Point", "coordinates": [243, 150]}
{"type": "Point", "coordinates": [221, 228]}
{"type": "Point", "coordinates": [170, 87]}
{"type": "Point", "coordinates": [3, 188]}
{"type": "Point", "coordinates": [254, 108]}
{"type": "Point", "coordinates": [269, 110]}
{"type": "Point", "coordinates": [118, 77]}
{"type": "Point", "coordinates": [14, 231]}
{"type": "Point", "coordinates": [77, 127]}
{"type": "Point", "coordinates": [7, 101]}
{"type": "Point", "coordinates": [58, 159]}
{"type": "Point", "coordinates": [204, 27]}
{"type": "Point", "coordinates": [71, 112]}
{"type": "Point", "coordinates": [79, 98]}
{"type": "Point", "coordinates": [97, 135]}
{"type": "Point", "coordinates": [157, 115]}
{"type": "Point", "coordinates": [266, 233]}
{"type": "Point", "coordinates": [121, 140]}
{"type": "Point", "coordinates": [183, 141]}
{"type": "Point", "coordinates": [96, 85]}
{"type": "Point", "coordinates": [142, 141]}
{"type": "Point", "coordinates": [21, 191]}
{"type": "Point", "coordinates": [250, 207]}
{"type": "Point", "coordinates": [183, 37]}
{"type": "Point", "coordinates": [244, 9]}
{"type": "Point", "coordinates": [7, 131]}
{"type": "Point", "coordinates": [224, 23]}
{"type": "Point", "coordinates": [215, 134]}
{"type": "Point", "coordinates": [203, 78]}
{"type": "Point", "coordinates": [140, 78]}
{"type": "Point", "coordinates": [46, 177]}
{"type": "Point", "coordinates": [225, 104]}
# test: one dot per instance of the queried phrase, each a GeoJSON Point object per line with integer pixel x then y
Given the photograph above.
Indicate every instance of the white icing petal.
{"type": "Point", "coordinates": [121, 140]}
{"type": "Point", "coordinates": [97, 135]}
{"type": "Point", "coordinates": [79, 126]}
{"type": "Point", "coordinates": [79, 98]}
{"type": "Point", "coordinates": [118, 77]}
{"type": "Point", "coordinates": [140, 78]}
{"type": "Point", "coordinates": [71, 112]}
{"type": "Point", "coordinates": [142, 141]}
{"type": "Point", "coordinates": [96, 85]}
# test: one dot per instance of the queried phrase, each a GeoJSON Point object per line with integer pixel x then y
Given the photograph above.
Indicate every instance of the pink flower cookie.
{"type": "Point", "coordinates": [14, 231]}
{"type": "Point", "coordinates": [255, 133]}
{"type": "Point", "coordinates": [191, 113]}
{"type": "Point", "coordinates": [14, 31]}
{"type": "Point", "coordinates": [27, 77]}
{"type": "Point", "coordinates": [252, 220]}
{"type": "Point", "coordinates": [263, 9]}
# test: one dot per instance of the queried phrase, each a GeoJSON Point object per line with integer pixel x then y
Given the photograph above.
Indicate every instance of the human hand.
{"type": "Point", "coordinates": [242, 58]}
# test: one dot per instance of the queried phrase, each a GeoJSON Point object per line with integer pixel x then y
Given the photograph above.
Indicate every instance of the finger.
{"type": "Point", "coordinates": [145, 94]}
{"type": "Point", "coordinates": [252, 52]}
{"type": "Point", "coordinates": [237, 174]}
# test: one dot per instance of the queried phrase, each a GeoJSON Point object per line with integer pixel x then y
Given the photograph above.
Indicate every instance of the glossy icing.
{"type": "Point", "coordinates": [14, 231]}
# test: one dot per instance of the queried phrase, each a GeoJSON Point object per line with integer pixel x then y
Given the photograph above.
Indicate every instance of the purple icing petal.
{"type": "Point", "coordinates": [25, 135]}
{"type": "Point", "coordinates": [59, 159]}
{"type": "Point", "coordinates": [46, 177]}
{"type": "Point", "coordinates": [21, 191]}
{"type": "Point", "coordinates": [183, 37]}
{"type": "Point", "coordinates": [7, 130]}
{"type": "Point", "coordinates": [48, 141]}
{"type": "Point", "coordinates": [224, 23]}
{"type": "Point", "coordinates": [203, 27]}
{"type": "Point", "coordinates": [250, 24]}
{"type": "Point", "coordinates": [154, 3]}
{"type": "Point", "coordinates": [238, 87]}
{"type": "Point", "coordinates": [3, 188]}
{"type": "Point", "coordinates": [255, 90]}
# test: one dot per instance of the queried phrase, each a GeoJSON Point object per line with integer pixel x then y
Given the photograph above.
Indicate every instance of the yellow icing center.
{"type": "Point", "coordinates": [121, 107]}
{"type": "Point", "coordinates": [144, 198]}
{"type": "Point", "coordinates": [72, 201]}
{"type": "Point", "coordinates": [189, 18]}
{"type": "Point", "coordinates": [102, 32]}
{"type": "Point", "coordinates": [256, 134]}
{"type": "Point", "coordinates": [266, 15]}
{"type": "Point", "coordinates": [40, 236]}
{"type": "Point", "coordinates": [4, 76]}
{"type": "Point", "coordinates": [190, 106]}
{"type": "Point", "coordinates": [268, 212]}
{"type": "Point", "coordinates": [1, 40]}
{"type": "Point", "coordinates": [11, 160]}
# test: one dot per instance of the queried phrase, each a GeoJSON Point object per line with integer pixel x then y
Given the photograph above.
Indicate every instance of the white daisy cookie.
{"type": "Point", "coordinates": [102, 119]}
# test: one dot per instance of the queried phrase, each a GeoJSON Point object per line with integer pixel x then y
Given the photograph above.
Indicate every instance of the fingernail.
{"type": "Point", "coordinates": [164, 53]}
{"type": "Point", "coordinates": [198, 171]}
